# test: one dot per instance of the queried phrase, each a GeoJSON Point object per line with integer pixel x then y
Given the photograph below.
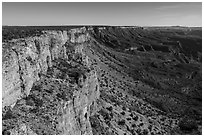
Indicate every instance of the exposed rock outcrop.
{"type": "Point", "coordinates": [26, 59]}
{"type": "Point", "coordinates": [149, 83]}
{"type": "Point", "coordinates": [32, 61]}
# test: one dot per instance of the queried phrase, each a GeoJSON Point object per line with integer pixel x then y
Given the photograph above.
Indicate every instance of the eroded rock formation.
{"type": "Point", "coordinates": [102, 80]}
{"type": "Point", "coordinates": [33, 66]}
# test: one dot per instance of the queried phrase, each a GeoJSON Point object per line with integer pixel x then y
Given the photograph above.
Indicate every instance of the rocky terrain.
{"type": "Point", "coordinates": [102, 80]}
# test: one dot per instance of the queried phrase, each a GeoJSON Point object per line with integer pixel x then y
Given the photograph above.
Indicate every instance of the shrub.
{"type": "Point", "coordinates": [8, 115]}
{"type": "Point", "coordinates": [128, 118]}
{"type": "Point", "coordinates": [121, 122]}
{"type": "Point", "coordinates": [6, 132]}
{"type": "Point", "coordinates": [135, 118]}
{"type": "Point", "coordinates": [187, 124]}
{"type": "Point", "coordinates": [123, 113]}
{"type": "Point", "coordinates": [133, 125]}
{"type": "Point", "coordinates": [124, 108]}
{"type": "Point", "coordinates": [110, 108]}
{"type": "Point", "coordinates": [145, 132]}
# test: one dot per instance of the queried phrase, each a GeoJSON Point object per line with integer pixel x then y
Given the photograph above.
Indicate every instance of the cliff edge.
{"type": "Point", "coordinates": [49, 87]}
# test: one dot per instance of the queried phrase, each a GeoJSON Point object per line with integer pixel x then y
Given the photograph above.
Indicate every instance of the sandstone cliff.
{"type": "Point", "coordinates": [49, 76]}
{"type": "Point", "coordinates": [102, 80]}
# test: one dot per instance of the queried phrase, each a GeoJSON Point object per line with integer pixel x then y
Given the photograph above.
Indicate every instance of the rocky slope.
{"type": "Point", "coordinates": [49, 84]}
{"type": "Point", "coordinates": [103, 80]}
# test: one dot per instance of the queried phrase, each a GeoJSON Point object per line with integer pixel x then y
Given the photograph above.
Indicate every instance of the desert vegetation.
{"type": "Point", "coordinates": [149, 81]}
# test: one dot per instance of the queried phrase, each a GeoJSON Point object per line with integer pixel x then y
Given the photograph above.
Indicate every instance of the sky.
{"type": "Point", "coordinates": [127, 14]}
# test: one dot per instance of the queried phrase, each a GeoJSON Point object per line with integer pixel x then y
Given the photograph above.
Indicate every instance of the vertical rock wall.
{"type": "Point", "coordinates": [25, 61]}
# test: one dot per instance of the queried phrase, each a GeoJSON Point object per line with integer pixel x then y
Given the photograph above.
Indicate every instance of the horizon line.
{"type": "Point", "coordinates": [99, 25]}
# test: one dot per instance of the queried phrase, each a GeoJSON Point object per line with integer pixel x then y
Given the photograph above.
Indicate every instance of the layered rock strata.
{"type": "Point", "coordinates": [28, 63]}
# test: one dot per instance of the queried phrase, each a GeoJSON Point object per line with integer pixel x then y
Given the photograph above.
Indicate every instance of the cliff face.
{"type": "Point", "coordinates": [53, 62]}
{"type": "Point", "coordinates": [75, 119]}
{"type": "Point", "coordinates": [149, 82]}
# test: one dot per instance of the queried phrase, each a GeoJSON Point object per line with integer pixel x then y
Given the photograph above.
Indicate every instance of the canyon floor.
{"type": "Point", "coordinates": [102, 80]}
